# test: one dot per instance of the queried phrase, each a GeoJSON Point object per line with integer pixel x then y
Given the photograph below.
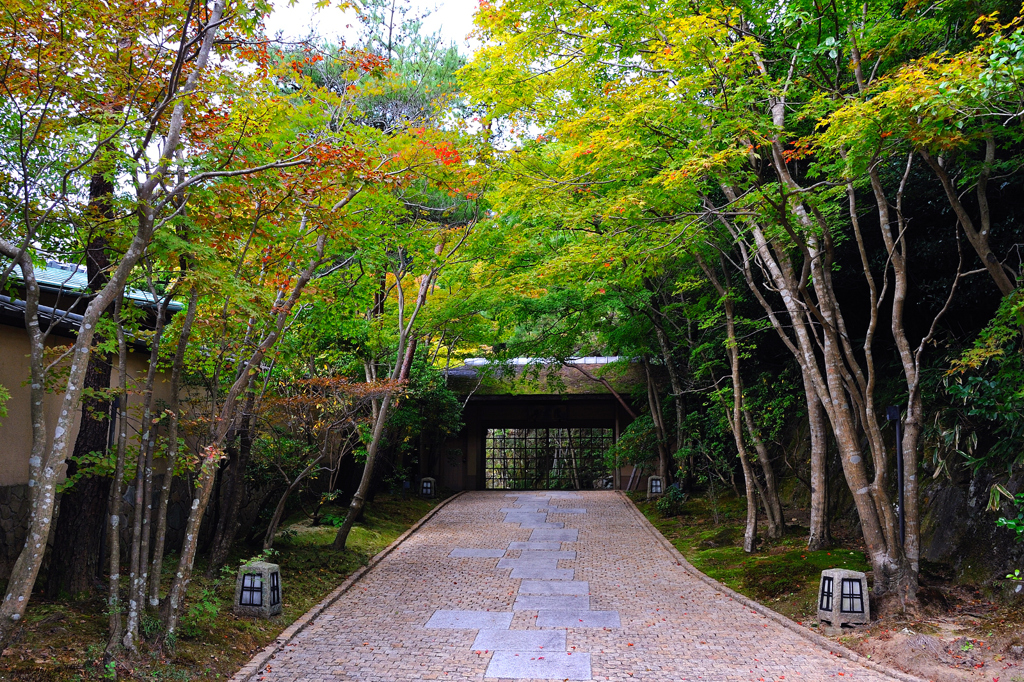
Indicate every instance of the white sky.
{"type": "Point", "coordinates": [454, 18]}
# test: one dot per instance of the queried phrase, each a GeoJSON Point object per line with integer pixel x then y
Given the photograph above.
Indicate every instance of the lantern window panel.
{"type": "Point", "coordinates": [852, 596]}
{"type": "Point", "coordinates": [275, 588]}
{"type": "Point", "coordinates": [825, 604]}
{"type": "Point", "coordinates": [252, 590]}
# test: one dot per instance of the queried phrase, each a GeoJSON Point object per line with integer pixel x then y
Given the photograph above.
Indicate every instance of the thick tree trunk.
{"type": "Point", "coordinates": [78, 532]}
{"type": "Point", "coordinates": [820, 535]}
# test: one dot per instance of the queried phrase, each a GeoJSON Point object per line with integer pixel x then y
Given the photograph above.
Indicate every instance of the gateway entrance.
{"type": "Point", "coordinates": [545, 458]}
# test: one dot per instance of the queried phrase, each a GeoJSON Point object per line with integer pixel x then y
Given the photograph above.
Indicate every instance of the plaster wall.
{"type": "Point", "coordinates": [16, 428]}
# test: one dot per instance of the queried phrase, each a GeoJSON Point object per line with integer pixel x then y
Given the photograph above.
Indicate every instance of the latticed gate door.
{"type": "Point", "coordinates": [549, 459]}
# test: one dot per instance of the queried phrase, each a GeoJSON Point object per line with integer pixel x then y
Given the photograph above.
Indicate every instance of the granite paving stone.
{"type": "Point", "coordinates": [560, 535]}
{"type": "Point", "coordinates": [534, 665]}
{"type": "Point", "coordinates": [422, 613]}
{"type": "Point", "coordinates": [547, 554]}
{"type": "Point", "coordinates": [554, 546]}
{"type": "Point", "coordinates": [533, 562]}
{"type": "Point", "coordinates": [544, 573]}
{"type": "Point", "coordinates": [520, 640]}
{"type": "Point", "coordinates": [536, 602]}
{"type": "Point", "coordinates": [473, 553]}
{"type": "Point", "coordinates": [554, 587]}
{"type": "Point", "coordinates": [469, 620]}
{"type": "Point", "coordinates": [576, 618]}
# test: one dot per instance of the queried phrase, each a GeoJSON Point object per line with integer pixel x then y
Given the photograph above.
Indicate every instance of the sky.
{"type": "Point", "coordinates": [454, 18]}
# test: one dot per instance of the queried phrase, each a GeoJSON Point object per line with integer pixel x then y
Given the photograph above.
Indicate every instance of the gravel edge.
{"type": "Point", "coordinates": [834, 648]}
{"type": "Point", "coordinates": [259, 661]}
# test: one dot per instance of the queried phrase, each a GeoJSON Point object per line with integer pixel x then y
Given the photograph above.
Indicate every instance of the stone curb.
{"type": "Point", "coordinates": [260, 660]}
{"type": "Point", "coordinates": [835, 649]}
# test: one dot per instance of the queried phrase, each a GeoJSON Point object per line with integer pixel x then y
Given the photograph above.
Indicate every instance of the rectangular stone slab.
{"type": "Point", "coordinates": [528, 563]}
{"type": "Point", "coordinates": [535, 545]}
{"type": "Point", "coordinates": [547, 554]}
{"type": "Point", "coordinates": [520, 640]}
{"type": "Point", "coordinates": [472, 553]}
{"type": "Point", "coordinates": [534, 665]}
{"type": "Point", "coordinates": [470, 620]}
{"type": "Point", "coordinates": [543, 573]}
{"type": "Point", "coordinates": [554, 587]}
{"type": "Point", "coordinates": [550, 535]}
{"type": "Point", "coordinates": [525, 517]}
{"type": "Point", "coordinates": [541, 524]}
{"type": "Point", "coordinates": [567, 510]}
{"type": "Point", "coordinates": [575, 618]}
{"type": "Point", "coordinates": [551, 602]}
{"type": "Point", "coordinates": [523, 510]}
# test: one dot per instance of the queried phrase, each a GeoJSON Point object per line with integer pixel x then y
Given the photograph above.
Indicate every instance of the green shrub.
{"type": "Point", "coordinates": [671, 503]}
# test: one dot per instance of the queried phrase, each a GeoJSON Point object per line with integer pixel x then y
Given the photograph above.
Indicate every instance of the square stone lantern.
{"type": "Point", "coordinates": [258, 590]}
{"type": "Point", "coordinates": [843, 598]}
{"type": "Point", "coordinates": [427, 487]}
{"type": "Point", "coordinates": [655, 486]}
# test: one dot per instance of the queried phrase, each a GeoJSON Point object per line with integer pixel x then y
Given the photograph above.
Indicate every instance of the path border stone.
{"type": "Point", "coordinates": [260, 660]}
{"type": "Point", "coordinates": [832, 647]}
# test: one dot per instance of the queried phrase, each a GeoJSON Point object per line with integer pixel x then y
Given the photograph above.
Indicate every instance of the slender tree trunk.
{"type": "Point", "coordinates": [45, 462]}
{"type": "Point", "coordinates": [355, 507]}
{"type": "Point", "coordinates": [675, 383]}
{"type": "Point", "coordinates": [735, 421]}
{"type": "Point", "coordinates": [182, 577]}
{"type": "Point", "coordinates": [142, 521]}
{"type": "Point", "coordinates": [172, 450]}
{"type": "Point", "coordinates": [659, 425]}
{"type": "Point", "coordinates": [770, 494]}
{"type": "Point", "coordinates": [234, 482]}
{"type": "Point", "coordinates": [114, 598]}
{"type": "Point", "coordinates": [214, 451]}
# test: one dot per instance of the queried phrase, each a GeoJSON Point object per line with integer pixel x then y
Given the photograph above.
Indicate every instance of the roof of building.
{"type": "Point", "coordinates": [72, 279]}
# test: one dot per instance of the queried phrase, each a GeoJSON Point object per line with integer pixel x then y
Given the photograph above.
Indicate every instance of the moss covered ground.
{"type": "Point", "coordinates": [782, 574]}
{"type": "Point", "coordinates": [63, 641]}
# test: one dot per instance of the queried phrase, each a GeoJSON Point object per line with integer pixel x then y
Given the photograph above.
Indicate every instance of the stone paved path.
{"type": "Point", "coordinates": [566, 586]}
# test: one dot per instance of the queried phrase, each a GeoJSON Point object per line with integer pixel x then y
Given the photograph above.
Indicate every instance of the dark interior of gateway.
{"type": "Point", "coordinates": [547, 442]}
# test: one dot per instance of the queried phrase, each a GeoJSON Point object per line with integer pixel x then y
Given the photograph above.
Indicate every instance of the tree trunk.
{"type": "Point", "coordinates": [659, 425]}
{"type": "Point", "coordinates": [143, 516]}
{"type": "Point", "coordinates": [114, 598]}
{"type": "Point", "coordinates": [234, 487]}
{"type": "Point", "coordinates": [77, 537]}
{"type": "Point", "coordinates": [770, 495]}
{"type": "Point", "coordinates": [820, 535]}
{"type": "Point", "coordinates": [172, 450]}
{"type": "Point", "coordinates": [735, 421]}
{"type": "Point", "coordinates": [355, 507]}
{"type": "Point", "coordinates": [182, 577]}
{"type": "Point", "coordinates": [212, 453]}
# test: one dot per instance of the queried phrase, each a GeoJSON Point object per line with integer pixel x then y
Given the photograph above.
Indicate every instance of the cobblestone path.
{"type": "Point", "coordinates": [565, 586]}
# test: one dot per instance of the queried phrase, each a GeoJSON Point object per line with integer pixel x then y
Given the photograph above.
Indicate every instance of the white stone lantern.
{"type": "Point", "coordinates": [843, 598]}
{"type": "Point", "coordinates": [655, 486]}
{"type": "Point", "coordinates": [427, 487]}
{"type": "Point", "coordinates": [258, 590]}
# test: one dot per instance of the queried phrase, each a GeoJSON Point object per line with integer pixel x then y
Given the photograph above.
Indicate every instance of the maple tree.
{"type": "Point", "coordinates": [759, 137]}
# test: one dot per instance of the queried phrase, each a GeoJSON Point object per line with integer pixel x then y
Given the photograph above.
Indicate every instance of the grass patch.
{"type": "Point", "coordinates": [63, 641]}
{"type": "Point", "coordinates": [783, 574]}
